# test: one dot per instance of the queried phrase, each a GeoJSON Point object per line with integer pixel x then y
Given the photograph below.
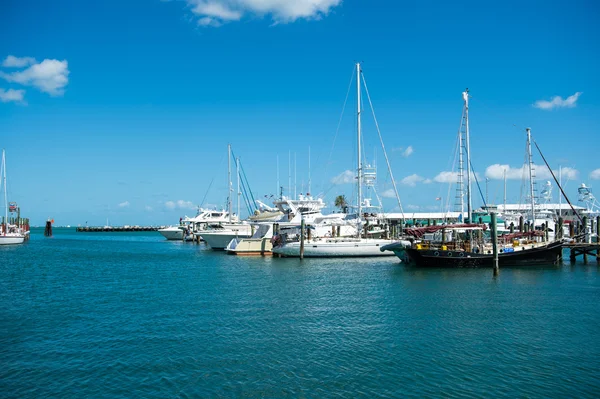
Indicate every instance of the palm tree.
{"type": "Point", "coordinates": [340, 202]}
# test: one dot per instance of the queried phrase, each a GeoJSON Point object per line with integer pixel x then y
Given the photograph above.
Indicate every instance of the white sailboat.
{"type": "Point", "coordinates": [11, 233]}
{"type": "Point", "coordinates": [339, 246]}
{"type": "Point", "coordinates": [217, 237]}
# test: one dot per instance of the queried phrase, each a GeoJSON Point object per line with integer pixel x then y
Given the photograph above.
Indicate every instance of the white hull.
{"type": "Point", "coordinates": [250, 246]}
{"type": "Point", "coordinates": [12, 239]}
{"type": "Point", "coordinates": [171, 233]}
{"type": "Point", "coordinates": [220, 239]}
{"type": "Point", "coordinates": [335, 248]}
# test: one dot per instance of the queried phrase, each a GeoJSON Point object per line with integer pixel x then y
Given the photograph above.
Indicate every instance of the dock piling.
{"type": "Point", "coordinates": [302, 239]}
{"type": "Point", "coordinates": [495, 242]}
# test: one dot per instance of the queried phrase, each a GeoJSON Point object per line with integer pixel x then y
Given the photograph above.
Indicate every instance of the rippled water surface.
{"type": "Point", "coordinates": [131, 315]}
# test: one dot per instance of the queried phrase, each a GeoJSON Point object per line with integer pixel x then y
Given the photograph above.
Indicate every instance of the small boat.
{"type": "Point", "coordinates": [10, 233]}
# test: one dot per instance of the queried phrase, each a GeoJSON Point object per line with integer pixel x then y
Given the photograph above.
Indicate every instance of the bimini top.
{"type": "Point", "coordinates": [418, 232]}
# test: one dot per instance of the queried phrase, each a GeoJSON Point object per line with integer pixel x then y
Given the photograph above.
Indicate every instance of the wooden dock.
{"type": "Point", "coordinates": [583, 249]}
{"type": "Point", "coordinates": [111, 229]}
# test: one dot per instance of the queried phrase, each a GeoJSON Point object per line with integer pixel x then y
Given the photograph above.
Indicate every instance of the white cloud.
{"type": "Point", "coordinates": [496, 172]}
{"type": "Point", "coordinates": [124, 204]}
{"type": "Point", "coordinates": [451, 177]}
{"type": "Point", "coordinates": [15, 62]}
{"type": "Point", "coordinates": [389, 193]}
{"type": "Point", "coordinates": [558, 102]}
{"type": "Point", "coordinates": [427, 181]}
{"type": "Point", "coordinates": [595, 174]}
{"type": "Point", "coordinates": [411, 207]}
{"type": "Point", "coordinates": [411, 180]}
{"type": "Point", "coordinates": [12, 95]}
{"type": "Point", "coordinates": [148, 208]}
{"type": "Point", "coordinates": [217, 12]}
{"type": "Point", "coordinates": [406, 153]}
{"type": "Point", "coordinates": [180, 204]}
{"type": "Point", "coordinates": [344, 178]}
{"type": "Point", "coordinates": [49, 76]}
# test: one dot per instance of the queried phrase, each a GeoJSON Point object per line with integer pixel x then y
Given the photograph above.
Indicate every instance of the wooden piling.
{"type": "Point", "coordinates": [521, 225]}
{"type": "Point", "coordinates": [511, 228]}
{"type": "Point", "coordinates": [584, 229]}
{"type": "Point", "coordinates": [571, 230]}
{"type": "Point", "coordinates": [494, 242]}
{"type": "Point", "coordinates": [302, 239]}
{"type": "Point", "coordinates": [560, 229]}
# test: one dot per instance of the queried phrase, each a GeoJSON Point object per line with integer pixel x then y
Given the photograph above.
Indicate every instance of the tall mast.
{"type": "Point", "coordinates": [309, 170]}
{"type": "Point", "coordinates": [559, 196]}
{"type": "Point", "coordinates": [229, 185]}
{"type": "Point", "coordinates": [239, 193]}
{"type": "Point", "coordinates": [277, 191]}
{"type": "Point", "coordinates": [5, 199]}
{"type": "Point", "coordinates": [468, 153]}
{"type": "Point", "coordinates": [531, 191]}
{"type": "Point", "coordinates": [359, 163]}
{"type": "Point", "coordinates": [460, 189]}
{"type": "Point", "coordinates": [295, 177]}
{"type": "Point", "coordinates": [504, 172]}
{"type": "Point", "coordinates": [289, 173]}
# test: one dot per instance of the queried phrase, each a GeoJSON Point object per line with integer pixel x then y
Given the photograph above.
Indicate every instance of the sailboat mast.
{"type": "Point", "coordinates": [468, 153]}
{"type": "Point", "coordinates": [559, 196]}
{"type": "Point", "coordinates": [229, 185]}
{"type": "Point", "coordinates": [461, 171]}
{"type": "Point", "coordinates": [239, 193]}
{"type": "Point", "coordinates": [309, 170]}
{"type": "Point", "coordinates": [504, 209]}
{"type": "Point", "coordinates": [358, 149]}
{"type": "Point", "coordinates": [528, 130]}
{"type": "Point", "coordinates": [5, 199]}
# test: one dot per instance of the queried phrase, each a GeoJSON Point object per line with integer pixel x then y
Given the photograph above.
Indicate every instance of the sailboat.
{"type": "Point", "coordinates": [359, 245]}
{"type": "Point", "coordinates": [11, 233]}
{"type": "Point", "coordinates": [217, 237]}
{"type": "Point", "coordinates": [464, 245]}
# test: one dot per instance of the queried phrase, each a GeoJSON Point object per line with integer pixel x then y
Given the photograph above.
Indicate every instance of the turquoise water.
{"type": "Point", "coordinates": [127, 315]}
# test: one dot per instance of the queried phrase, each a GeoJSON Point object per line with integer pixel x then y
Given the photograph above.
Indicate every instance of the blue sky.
{"type": "Point", "coordinates": [123, 110]}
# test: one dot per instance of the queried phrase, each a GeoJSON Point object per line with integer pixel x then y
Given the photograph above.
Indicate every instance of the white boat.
{"type": "Point", "coordinates": [202, 221]}
{"type": "Point", "coordinates": [218, 237]}
{"type": "Point", "coordinates": [10, 233]}
{"type": "Point", "coordinates": [292, 212]}
{"type": "Point", "coordinates": [356, 246]}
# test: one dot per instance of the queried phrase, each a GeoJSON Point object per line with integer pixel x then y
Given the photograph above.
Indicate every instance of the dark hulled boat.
{"type": "Point", "coordinates": [455, 254]}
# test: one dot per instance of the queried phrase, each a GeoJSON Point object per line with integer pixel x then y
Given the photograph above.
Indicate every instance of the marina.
{"type": "Point", "coordinates": [140, 314]}
{"type": "Point", "coordinates": [281, 199]}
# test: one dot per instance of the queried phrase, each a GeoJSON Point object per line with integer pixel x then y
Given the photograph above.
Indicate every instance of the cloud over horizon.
{"type": "Point", "coordinates": [17, 96]}
{"type": "Point", "coordinates": [496, 172]}
{"type": "Point", "coordinates": [558, 102]}
{"type": "Point", "coordinates": [218, 12]}
{"type": "Point", "coordinates": [49, 76]}
{"type": "Point", "coordinates": [595, 175]}
{"type": "Point", "coordinates": [412, 180]}
{"type": "Point", "coordinates": [345, 177]}
{"type": "Point", "coordinates": [180, 204]}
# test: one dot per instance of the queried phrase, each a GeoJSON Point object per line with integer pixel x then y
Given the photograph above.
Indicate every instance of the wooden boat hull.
{"type": "Point", "coordinates": [547, 254]}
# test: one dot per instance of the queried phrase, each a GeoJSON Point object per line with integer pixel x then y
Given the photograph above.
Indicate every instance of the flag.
{"type": "Point", "coordinates": [438, 198]}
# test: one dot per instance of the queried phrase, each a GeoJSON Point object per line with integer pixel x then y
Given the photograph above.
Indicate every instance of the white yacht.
{"type": "Point", "coordinates": [360, 244]}
{"type": "Point", "coordinates": [292, 212]}
{"type": "Point", "coordinates": [189, 226]}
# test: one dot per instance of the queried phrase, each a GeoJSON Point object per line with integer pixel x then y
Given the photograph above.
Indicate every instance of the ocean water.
{"type": "Point", "coordinates": [130, 315]}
